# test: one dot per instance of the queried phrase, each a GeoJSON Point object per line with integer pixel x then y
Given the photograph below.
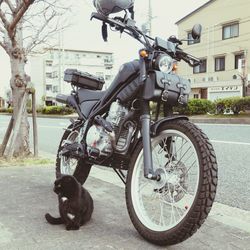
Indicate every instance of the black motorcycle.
{"type": "Point", "coordinates": [171, 168]}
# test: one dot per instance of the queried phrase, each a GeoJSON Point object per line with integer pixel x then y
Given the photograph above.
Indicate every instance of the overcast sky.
{"type": "Point", "coordinates": [86, 35]}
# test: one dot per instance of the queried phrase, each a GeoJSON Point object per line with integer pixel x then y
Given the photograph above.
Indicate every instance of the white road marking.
{"type": "Point", "coordinates": [231, 216]}
{"type": "Point", "coordinates": [232, 142]}
{"type": "Point", "coordinates": [58, 127]}
{"type": "Point", "coordinates": [221, 124]}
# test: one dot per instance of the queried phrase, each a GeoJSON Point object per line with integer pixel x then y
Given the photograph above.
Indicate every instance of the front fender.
{"type": "Point", "coordinates": [154, 127]}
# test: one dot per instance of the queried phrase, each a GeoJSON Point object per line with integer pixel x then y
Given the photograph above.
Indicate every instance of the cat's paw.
{"type": "Point", "coordinates": [64, 199]}
{"type": "Point", "coordinates": [70, 216]}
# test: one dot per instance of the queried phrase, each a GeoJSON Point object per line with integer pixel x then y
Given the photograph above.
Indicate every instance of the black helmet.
{"type": "Point", "coordinates": [107, 7]}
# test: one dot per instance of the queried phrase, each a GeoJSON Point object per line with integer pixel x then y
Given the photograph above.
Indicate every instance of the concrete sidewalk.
{"type": "Point", "coordinates": [216, 120]}
{"type": "Point", "coordinates": [26, 195]}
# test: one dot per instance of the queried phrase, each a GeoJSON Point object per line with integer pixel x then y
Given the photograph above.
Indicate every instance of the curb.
{"type": "Point", "coordinates": [191, 118]}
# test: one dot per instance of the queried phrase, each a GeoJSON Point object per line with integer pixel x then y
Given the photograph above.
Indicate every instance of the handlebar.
{"type": "Point", "coordinates": [118, 23]}
{"type": "Point", "coordinates": [128, 26]}
{"type": "Point", "coordinates": [125, 25]}
{"type": "Point", "coordinates": [106, 19]}
{"type": "Point", "coordinates": [191, 60]}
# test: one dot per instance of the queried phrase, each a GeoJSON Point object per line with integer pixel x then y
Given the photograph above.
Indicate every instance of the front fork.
{"type": "Point", "coordinates": [146, 141]}
{"type": "Point", "coordinates": [145, 120]}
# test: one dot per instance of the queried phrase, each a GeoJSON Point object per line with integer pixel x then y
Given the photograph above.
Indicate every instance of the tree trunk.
{"type": "Point", "coordinates": [18, 84]}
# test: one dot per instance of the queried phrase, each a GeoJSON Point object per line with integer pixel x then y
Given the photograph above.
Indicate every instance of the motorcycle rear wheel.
{"type": "Point", "coordinates": [70, 166]}
{"type": "Point", "coordinates": [169, 211]}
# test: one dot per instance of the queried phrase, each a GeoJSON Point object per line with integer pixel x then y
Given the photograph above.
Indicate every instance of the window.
{"type": "Point", "coordinates": [196, 96]}
{"type": "Point", "coordinates": [219, 63]}
{"type": "Point", "coordinates": [55, 74]}
{"type": "Point", "coordinates": [108, 59]}
{"type": "Point", "coordinates": [55, 89]}
{"type": "Point", "coordinates": [202, 68]}
{"type": "Point", "coordinates": [48, 75]}
{"type": "Point", "coordinates": [107, 77]}
{"type": "Point", "coordinates": [230, 31]}
{"type": "Point", "coordinates": [49, 63]}
{"type": "Point", "coordinates": [108, 67]}
{"type": "Point", "coordinates": [191, 40]}
{"type": "Point", "coordinates": [49, 87]}
{"type": "Point", "coordinates": [237, 58]}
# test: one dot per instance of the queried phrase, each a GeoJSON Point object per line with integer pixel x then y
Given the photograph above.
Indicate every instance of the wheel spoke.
{"type": "Point", "coordinates": [67, 164]}
{"type": "Point", "coordinates": [142, 186]}
{"type": "Point", "coordinates": [162, 218]}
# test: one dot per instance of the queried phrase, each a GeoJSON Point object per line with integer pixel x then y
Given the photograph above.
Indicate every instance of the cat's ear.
{"type": "Point", "coordinates": [56, 182]}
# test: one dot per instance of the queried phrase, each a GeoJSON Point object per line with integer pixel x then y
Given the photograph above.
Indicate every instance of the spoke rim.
{"type": "Point", "coordinates": [179, 198]}
{"type": "Point", "coordinates": [68, 165]}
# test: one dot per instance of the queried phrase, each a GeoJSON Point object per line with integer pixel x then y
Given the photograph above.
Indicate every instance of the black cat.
{"type": "Point", "coordinates": [75, 203]}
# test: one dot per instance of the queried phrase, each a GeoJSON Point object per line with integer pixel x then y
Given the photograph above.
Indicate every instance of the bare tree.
{"type": "Point", "coordinates": [25, 24]}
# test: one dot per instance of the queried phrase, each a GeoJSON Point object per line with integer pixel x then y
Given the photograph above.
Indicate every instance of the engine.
{"type": "Point", "coordinates": [100, 142]}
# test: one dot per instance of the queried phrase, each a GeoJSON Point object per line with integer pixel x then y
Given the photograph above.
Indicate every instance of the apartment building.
{"type": "Point", "coordinates": [224, 49]}
{"type": "Point", "coordinates": [47, 70]}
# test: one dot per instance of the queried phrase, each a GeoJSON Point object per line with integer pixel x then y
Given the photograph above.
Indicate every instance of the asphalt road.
{"type": "Point", "coordinates": [231, 143]}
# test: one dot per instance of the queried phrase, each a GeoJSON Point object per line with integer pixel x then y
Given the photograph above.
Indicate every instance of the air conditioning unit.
{"type": "Point", "coordinates": [216, 78]}
{"type": "Point", "coordinates": [205, 79]}
{"type": "Point", "coordinates": [236, 77]}
{"type": "Point", "coordinates": [191, 80]}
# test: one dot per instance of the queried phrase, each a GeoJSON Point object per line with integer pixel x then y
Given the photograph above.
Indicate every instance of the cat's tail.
{"type": "Point", "coordinates": [53, 220]}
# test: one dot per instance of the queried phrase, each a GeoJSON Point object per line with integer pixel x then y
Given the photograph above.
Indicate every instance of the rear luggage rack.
{"type": "Point", "coordinates": [83, 79]}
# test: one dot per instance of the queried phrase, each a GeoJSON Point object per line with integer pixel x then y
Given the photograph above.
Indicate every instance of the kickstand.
{"type": "Point", "coordinates": [121, 175]}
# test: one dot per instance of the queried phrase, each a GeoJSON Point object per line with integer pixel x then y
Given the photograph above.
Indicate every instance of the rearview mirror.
{"type": "Point", "coordinates": [196, 31]}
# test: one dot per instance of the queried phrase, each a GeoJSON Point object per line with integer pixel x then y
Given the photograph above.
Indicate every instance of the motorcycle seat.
{"type": "Point", "coordinates": [89, 95]}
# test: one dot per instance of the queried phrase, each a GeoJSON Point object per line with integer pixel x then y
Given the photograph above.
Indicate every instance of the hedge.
{"type": "Point", "coordinates": [6, 110]}
{"type": "Point", "coordinates": [235, 104]}
{"type": "Point", "coordinates": [196, 107]}
{"type": "Point", "coordinates": [56, 110]}
{"type": "Point", "coordinates": [48, 110]}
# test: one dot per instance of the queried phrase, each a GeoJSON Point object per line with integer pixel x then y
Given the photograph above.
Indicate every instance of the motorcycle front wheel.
{"type": "Point", "coordinates": [71, 166]}
{"type": "Point", "coordinates": [170, 210]}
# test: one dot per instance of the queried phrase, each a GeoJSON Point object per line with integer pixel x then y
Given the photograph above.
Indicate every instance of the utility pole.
{"type": "Point", "coordinates": [150, 17]}
{"type": "Point", "coordinates": [245, 73]}
{"type": "Point", "coordinates": [243, 67]}
{"type": "Point", "coordinates": [147, 26]}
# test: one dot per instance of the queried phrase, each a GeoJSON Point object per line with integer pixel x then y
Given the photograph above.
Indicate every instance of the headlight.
{"type": "Point", "coordinates": [164, 63]}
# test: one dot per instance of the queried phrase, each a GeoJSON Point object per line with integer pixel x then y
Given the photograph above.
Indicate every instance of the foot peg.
{"type": "Point", "coordinates": [73, 150]}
